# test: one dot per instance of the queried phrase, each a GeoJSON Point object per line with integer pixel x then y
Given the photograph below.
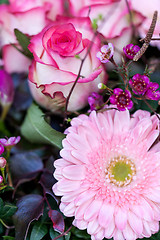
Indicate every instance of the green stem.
{"type": "Point", "coordinates": [3, 175]}
{"type": "Point", "coordinates": [5, 110]}
{"type": "Point", "coordinates": [7, 169]}
{"type": "Point", "coordinates": [5, 225]}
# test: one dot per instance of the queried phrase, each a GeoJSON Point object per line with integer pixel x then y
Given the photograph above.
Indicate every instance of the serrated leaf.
{"type": "Point", "coordinates": [30, 207]}
{"type": "Point", "coordinates": [7, 211]}
{"type": "Point", "coordinates": [36, 130]}
{"type": "Point", "coordinates": [39, 230]}
{"type": "Point", "coordinates": [24, 41]}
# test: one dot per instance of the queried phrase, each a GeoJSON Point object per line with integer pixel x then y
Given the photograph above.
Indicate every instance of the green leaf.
{"type": "Point", "coordinates": [24, 41]}
{"type": "Point", "coordinates": [54, 234]}
{"type": "Point", "coordinates": [36, 130]}
{"type": "Point", "coordinates": [7, 211]}
{"type": "Point", "coordinates": [38, 231]}
{"type": "Point", "coordinates": [67, 237]}
{"type": "Point", "coordinates": [80, 233]}
{"type": "Point", "coordinates": [8, 238]}
{"type": "Point", "coordinates": [1, 229]}
{"type": "Point", "coordinates": [4, 1]}
{"type": "Point", "coordinates": [1, 205]}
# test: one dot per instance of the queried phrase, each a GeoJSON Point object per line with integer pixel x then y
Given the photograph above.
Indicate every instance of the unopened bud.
{"type": "Point", "coordinates": [1, 179]}
{"type": "Point", "coordinates": [6, 88]}
{"type": "Point", "coordinates": [102, 86]}
{"type": "Point", "coordinates": [2, 162]}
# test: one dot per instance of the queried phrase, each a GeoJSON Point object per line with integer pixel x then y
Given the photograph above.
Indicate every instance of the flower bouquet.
{"type": "Point", "coordinates": [79, 119]}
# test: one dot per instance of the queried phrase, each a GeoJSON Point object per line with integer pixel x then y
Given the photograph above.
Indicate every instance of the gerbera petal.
{"type": "Point", "coordinates": [135, 223]}
{"type": "Point", "coordinates": [109, 229]}
{"type": "Point", "coordinates": [84, 197]}
{"type": "Point", "coordinates": [66, 185]}
{"type": "Point", "coordinates": [74, 172]}
{"type": "Point", "coordinates": [92, 227]}
{"type": "Point", "coordinates": [118, 235]}
{"type": "Point", "coordinates": [93, 210]}
{"type": "Point", "coordinates": [69, 210]}
{"type": "Point", "coordinates": [129, 233]}
{"type": "Point", "coordinates": [81, 224]}
{"type": "Point", "coordinates": [105, 214]}
{"type": "Point", "coordinates": [121, 218]}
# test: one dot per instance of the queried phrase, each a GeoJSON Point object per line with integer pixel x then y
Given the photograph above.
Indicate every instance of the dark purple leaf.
{"type": "Point", "coordinates": [24, 165]}
{"type": "Point", "coordinates": [47, 181]}
{"type": "Point", "coordinates": [57, 220]}
{"type": "Point", "coordinates": [30, 207]}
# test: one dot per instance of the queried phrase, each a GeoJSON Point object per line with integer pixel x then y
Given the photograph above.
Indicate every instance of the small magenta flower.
{"type": "Point", "coordinates": [1, 179]}
{"type": "Point", "coordinates": [95, 100]}
{"type": "Point", "coordinates": [122, 99]}
{"type": "Point", "coordinates": [151, 92]}
{"type": "Point", "coordinates": [2, 162]}
{"type": "Point", "coordinates": [6, 88]}
{"type": "Point", "coordinates": [131, 50]}
{"type": "Point", "coordinates": [1, 149]}
{"type": "Point", "coordinates": [10, 142]}
{"type": "Point", "coordinates": [106, 53]}
{"type": "Point", "coordinates": [139, 84]}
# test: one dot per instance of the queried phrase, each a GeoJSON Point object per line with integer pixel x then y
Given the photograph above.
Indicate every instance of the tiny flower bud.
{"type": "Point", "coordinates": [102, 86]}
{"type": "Point", "coordinates": [1, 179]}
{"type": "Point", "coordinates": [106, 53]}
{"type": "Point", "coordinates": [2, 162]}
{"type": "Point", "coordinates": [6, 88]}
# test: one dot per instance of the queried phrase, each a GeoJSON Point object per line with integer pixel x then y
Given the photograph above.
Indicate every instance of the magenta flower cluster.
{"type": "Point", "coordinates": [141, 85]}
{"type": "Point", "coordinates": [131, 50]}
{"type": "Point", "coordinates": [95, 100]}
{"type": "Point", "coordinates": [122, 99]}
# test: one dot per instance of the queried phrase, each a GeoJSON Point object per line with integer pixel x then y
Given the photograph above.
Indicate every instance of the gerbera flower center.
{"type": "Point", "coordinates": [120, 171]}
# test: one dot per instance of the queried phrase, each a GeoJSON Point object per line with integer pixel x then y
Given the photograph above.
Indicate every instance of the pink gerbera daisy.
{"type": "Point", "coordinates": [108, 175]}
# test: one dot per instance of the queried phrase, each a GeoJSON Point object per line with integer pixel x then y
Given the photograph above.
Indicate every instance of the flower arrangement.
{"type": "Point", "coordinates": [79, 119]}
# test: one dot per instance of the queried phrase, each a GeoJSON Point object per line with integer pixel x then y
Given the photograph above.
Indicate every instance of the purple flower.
{"type": "Point", "coordinates": [122, 99]}
{"type": "Point", "coordinates": [10, 141]}
{"type": "Point", "coordinates": [106, 53]}
{"type": "Point", "coordinates": [151, 92]}
{"type": "Point", "coordinates": [139, 84]}
{"type": "Point", "coordinates": [95, 100]}
{"type": "Point", "coordinates": [1, 149]}
{"type": "Point", "coordinates": [1, 179]}
{"type": "Point", "coordinates": [6, 88]}
{"type": "Point", "coordinates": [131, 50]}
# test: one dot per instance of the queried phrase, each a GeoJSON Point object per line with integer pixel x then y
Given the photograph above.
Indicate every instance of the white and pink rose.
{"type": "Point", "coordinates": [58, 51]}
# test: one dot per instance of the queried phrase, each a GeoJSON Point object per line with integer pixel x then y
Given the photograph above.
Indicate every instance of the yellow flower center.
{"type": "Point", "coordinates": [120, 171]}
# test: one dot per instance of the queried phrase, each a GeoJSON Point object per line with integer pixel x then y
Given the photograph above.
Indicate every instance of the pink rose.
{"type": "Point", "coordinates": [147, 8]}
{"type": "Point", "coordinates": [30, 17]}
{"type": "Point", "coordinates": [58, 51]}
